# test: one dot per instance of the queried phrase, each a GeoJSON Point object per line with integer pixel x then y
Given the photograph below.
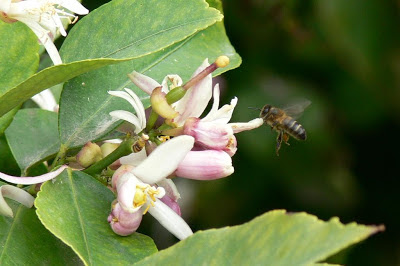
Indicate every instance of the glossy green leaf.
{"type": "Point", "coordinates": [275, 238]}
{"type": "Point", "coordinates": [19, 59]}
{"type": "Point", "coordinates": [85, 103]}
{"type": "Point", "coordinates": [25, 241]}
{"type": "Point", "coordinates": [11, 97]}
{"type": "Point", "coordinates": [155, 24]}
{"type": "Point", "coordinates": [75, 207]}
{"type": "Point", "coordinates": [33, 136]}
{"type": "Point", "coordinates": [8, 165]}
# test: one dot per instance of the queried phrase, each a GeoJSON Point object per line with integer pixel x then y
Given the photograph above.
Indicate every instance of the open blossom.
{"type": "Point", "coordinates": [136, 191]}
{"type": "Point", "coordinates": [43, 17]}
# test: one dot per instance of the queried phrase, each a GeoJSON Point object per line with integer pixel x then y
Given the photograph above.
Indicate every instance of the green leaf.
{"type": "Point", "coordinates": [25, 241]}
{"type": "Point", "coordinates": [8, 165]}
{"type": "Point", "coordinates": [84, 109]}
{"type": "Point", "coordinates": [155, 24]}
{"type": "Point", "coordinates": [275, 238]}
{"type": "Point", "coordinates": [33, 136]}
{"type": "Point", "coordinates": [19, 56]}
{"type": "Point", "coordinates": [75, 208]}
{"type": "Point", "coordinates": [19, 59]}
{"type": "Point", "coordinates": [11, 97]}
{"type": "Point", "coordinates": [6, 119]}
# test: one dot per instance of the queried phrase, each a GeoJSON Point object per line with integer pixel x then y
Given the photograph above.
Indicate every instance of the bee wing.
{"type": "Point", "coordinates": [297, 109]}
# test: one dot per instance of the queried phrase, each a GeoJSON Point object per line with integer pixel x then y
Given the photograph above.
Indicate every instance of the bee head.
{"type": "Point", "coordinates": [265, 111]}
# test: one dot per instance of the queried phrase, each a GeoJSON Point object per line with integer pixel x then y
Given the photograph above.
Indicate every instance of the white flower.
{"type": "Point", "coordinates": [43, 17]}
{"type": "Point", "coordinates": [135, 188]}
{"type": "Point", "coordinates": [138, 120]}
{"type": "Point", "coordinates": [16, 194]}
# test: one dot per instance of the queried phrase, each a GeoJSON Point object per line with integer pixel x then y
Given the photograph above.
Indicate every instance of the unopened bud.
{"type": "Point", "coordinates": [160, 105]}
{"type": "Point", "coordinates": [89, 154]}
{"type": "Point", "coordinates": [108, 148]}
{"type": "Point", "coordinates": [222, 61]}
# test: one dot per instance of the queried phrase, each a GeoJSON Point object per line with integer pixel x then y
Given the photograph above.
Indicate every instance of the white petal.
{"type": "Point", "coordinates": [164, 159]}
{"type": "Point", "coordinates": [5, 5]}
{"type": "Point", "coordinates": [239, 127]}
{"type": "Point", "coordinates": [144, 82]}
{"type": "Point", "coordinates": [170, 189]}
{"type": "Point", "coordinates": [215, 105]}
{"type": "Point", "coordinates": [140, 108]}
{"type": "Point", "coordinates": [74, 6]}
{"type": "Point", "coordinates": [126, 188]}
{"type": "Point", "coordinates": [170, 220]}
{"type": "Point", "coordinates": [224, 114]}
{"type": "Point", "coordinates": [45, 39]}
{"type": "Point", "coordinates": [16, 194]}
{"type": "Point", "coordinates": [32, 180]}
{"type": "Point", "coordinates": [196, 98]}
{"type": "Point", "coordinates": [46, 100]}
{"type": "Point", "coordinates": [128, 116]}
{"type": "Point", "coordinates": [134, 159]}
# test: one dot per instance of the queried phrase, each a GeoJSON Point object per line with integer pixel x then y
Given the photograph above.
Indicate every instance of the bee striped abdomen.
{"type": "Point", "coordinates": [294, 128]}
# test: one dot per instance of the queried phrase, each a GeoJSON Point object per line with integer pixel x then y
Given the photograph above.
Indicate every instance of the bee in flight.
{"type": "Point", "coordinates": [283, 121]}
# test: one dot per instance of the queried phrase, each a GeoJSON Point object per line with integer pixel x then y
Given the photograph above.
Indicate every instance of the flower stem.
{"type": "Point", "coordinates": [60, 157]}
{"type": "Point", "coordinates": [125, 148]}
{"type": "Point", "coordinates": [152, 120]}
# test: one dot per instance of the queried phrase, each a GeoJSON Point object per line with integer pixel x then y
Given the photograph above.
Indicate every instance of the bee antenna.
{"type": "Point", "coordinates": [254, 108]}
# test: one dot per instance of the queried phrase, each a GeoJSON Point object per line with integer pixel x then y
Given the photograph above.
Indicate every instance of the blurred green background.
{"type": "Point", "coordinates": [344, 56]}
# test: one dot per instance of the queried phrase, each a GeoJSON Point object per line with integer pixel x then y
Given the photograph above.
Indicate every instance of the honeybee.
{"type": "Point", "coordinates": [283, 121]}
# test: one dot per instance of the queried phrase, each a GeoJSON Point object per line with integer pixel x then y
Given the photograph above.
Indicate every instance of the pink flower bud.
{"type": "Point", "coordinates": [205, 165]}
{"type": "Point", "coordinates": [211, 135]}
{"type": "Point", "coordinates": [172, 204]}
{"type": "Point", "coordinates": [124, 223]}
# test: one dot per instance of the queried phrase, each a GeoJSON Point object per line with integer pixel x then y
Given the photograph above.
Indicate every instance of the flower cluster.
{"type": "Point", "coordinates": [191, 147]}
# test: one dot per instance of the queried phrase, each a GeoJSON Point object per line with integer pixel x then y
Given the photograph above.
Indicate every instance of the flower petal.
{"type": "Point", "coordinates": [46, 100]}
{"type": "Point", "coordinates": [140, 108]}
{"type": "Point", "coordinates": [170, 220]}
{"type": "Point", "coordinates": [144, 82]}
{"type": "Point", "coordinates": [32, 180]}
{"type": "Point", "coordinates": [74, 6]}
{"type": "Point", "coordinates": [134, 159]}
{"type": "Point", "coordinates": [164, 159]}
{"type": "Point", "coordinates": [126, 188]}
{"type": "Point", "coordinates": [124, 223]}
{"type": "Point", "coordinates": [196, 98]}
{"type": "Point", "coordinates": [215, 105]}
{"type": "Point", "coordinates": [175, 79]}
{"type": "Point", "coordinates": [129, 117]}
{"type": "Point", "coordinates": [16, 194]}
{"type": "Point", "coordinates": [239, 127]}
{"type": "Point", "coordinates": [170, 189]}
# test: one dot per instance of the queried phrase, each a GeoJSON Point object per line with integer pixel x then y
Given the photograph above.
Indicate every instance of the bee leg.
{"type": "Point", "coordinates": [286, 138]}
{"type": "Point", "coordinates": [278, 142]}
{"type": "Point", "coordinates": [273, 125]}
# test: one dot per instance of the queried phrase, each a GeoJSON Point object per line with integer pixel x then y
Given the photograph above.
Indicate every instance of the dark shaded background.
{"type": "Point", "coordinates": [344, 56]}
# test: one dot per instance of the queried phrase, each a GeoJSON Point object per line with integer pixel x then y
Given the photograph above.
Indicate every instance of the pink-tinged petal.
{"type": "Point", "coordinates": [144, 83]}
{"type": "Point", "coordinates": [172, 204]}
{"type": "Point", "coordinates": [175, 80]}
{"type": "Point", "coordinates": [170, 189]}
{"type": "Point", "coordinates": [231, 147]}
{"type": "Point", "coordinates": [196, 98]}
{"type": "Point", "coordinates": [164, 159]}
{"type": "Point", "coordinates": [160, 105]}
{"type": "Point", "coordinates": [14, 193]}
{"type": "Point", "coordinates": [170, 220]}
{"type": "Point", "coordinates": [122, 170]}
{"type": "Point", "coordinates": [126, 189]}
{"type": "Point", "coordinates": [205, 165]}
{"type": "Point", "coordinates": [210, 135]}
{"type": "Point", "coordinates": [32, 180]}
{"type": "Point", "coordinates": [45, 100]}
{"type": "Point", "coordinates": [135, 158]}
{"type": "Point", "coordinates": [124, 223]}
{"type": "Point", "coordinates": [214, 108]}
{"type": "Point", "coordinates": [239, 127]}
